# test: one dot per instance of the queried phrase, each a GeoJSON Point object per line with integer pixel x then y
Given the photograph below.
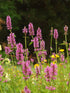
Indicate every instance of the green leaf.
{"type": "Point", "coordinates": [62, 44]}
{"type": "Point", "coordinates": [14, 35]}
{"type": "Point", "coordinates": [30, 43]}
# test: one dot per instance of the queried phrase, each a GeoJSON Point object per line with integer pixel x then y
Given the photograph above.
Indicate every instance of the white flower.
{"type": "Point", "coordinates": [7, 77]}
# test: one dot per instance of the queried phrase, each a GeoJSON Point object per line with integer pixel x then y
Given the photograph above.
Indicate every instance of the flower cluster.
{"type": "Point", "coordinates": [24, 30]}
{"type": "Point", "coordinates": [19, 53]}
{"type": "Point", "coordinates": [26, 90]}
{"type": "Point", "coordinates": [8, 50]}
{"type": "Point", "coordinates": [26, 53]}
{"type": "Point", "coordinates": [42, 45]}
{"type": "Point", "coordinates": [8, 23]}
{"type": "Point", "coordinates": [31, 29]}
{"type": "Point", "coordinates": [35, 43]}
{"type": "Point", "coordinates": [62, 57]}
{"type": "Point", "coordinates": [48, 73]}
{"type": "Point", "coordinates": [50, 88]}
{"type": "Point", "coordinates": [26, 70]}
{"type": "Point", "coordinates": [55, 34]}
{"type": "Point", "coordinates": [39, 35]}
{"type": "Point", "coordinates": [51, 72]}
{"type": "Point", "coordinates": [37, 68]}
{"type": "Point", "coordinates": [65, 29]}
{"type": "Point", "coordinates": [11, 40]}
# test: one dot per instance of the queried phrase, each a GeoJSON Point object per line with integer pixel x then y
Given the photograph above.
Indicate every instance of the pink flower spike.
{"type": "Point", "coordinates": [31, 29]}
{"type": "Point", "coordinates": [55, 34]}
{"type": "Point", "coordinates": [24, 30]}
{"type": "Point", "coordinates": [8, 23]}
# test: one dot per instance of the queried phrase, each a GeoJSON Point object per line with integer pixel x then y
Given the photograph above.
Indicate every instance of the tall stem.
{"type": "Point", "coordinates": [56, 45]}
{"type": "Point", "coordinates": [38, 58]}
{"type": "Point", "coordinates": [25, 42]}
{"type": "Point", "coordinates": [51, 45]}
{"type": "Point", "coordinates": [66, 46]}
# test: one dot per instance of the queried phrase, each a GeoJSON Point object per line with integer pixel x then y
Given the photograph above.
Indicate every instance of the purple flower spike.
{"type": "Point", "coordinates": [53, 71]}
{"type": "Point", "coordinates": [11, 40]}
{"type": "Point", "coordinates": [31, 29]}
{"type": "Point", "coordinates": [8, 23]}
{"type": "Point", "coordinates": [37, 71]}
{"type": "Point", "coordinates": [65, 29]}
{"type": "Point", "coordinates": [50, 88]}
{"type": "Point", "coordinates": [48, 73]}
{"type": "Point", "coordinates": [55, 34]}
{"type": "Point", "coordinates": [42, 45]}
{"type": "Point", "coordinates": [26, 90]}
{"type": "Point", "coordinates": [24, 30]}
{"type": "Point", "coordinates": [26, 70]}
{"type": "Point", "coordinates": [39, 35]}
{"type": "Point", "coordinates": [62, 58]}
{"type": "Point", "coordinates": [36, 42]}
{"type": "Point", "coordinates": [19, 53]}
{"type": "Point", "coordinates": [7, 50]}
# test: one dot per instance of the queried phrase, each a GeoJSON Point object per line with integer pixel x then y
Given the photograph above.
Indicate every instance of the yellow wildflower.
{"type": "Point", "coordinates": [61, 50]}
{"type": "Point", "coordinates": [57, 56]}
{"type": "Point", "coordinates": [45, 60]}
{"type": "Point", "coordinates": [53, 62]}
{"type": "Point", "coordinates": [60, 64]}
{"type": "Point", "coordinates": [14, 66]}
{"type": "Point", "coordinates": [36, 65]}
{"type": "Point", "coordinates": [17, 70]}
{"type": "Point", "coordinates": [52, 56]}
{"type": "Point", "coordinates": [42, 62]}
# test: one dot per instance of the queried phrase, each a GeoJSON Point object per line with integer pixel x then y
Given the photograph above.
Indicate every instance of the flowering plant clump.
{"type": "Point", "coordinates": [19, 53]}
{"type": "Point", "coordinates": [48, 73]}
{"type": "Point", "coordinates": [26, 70]}
{"type": "Point", "coordinates": [53, 71]}
{"type": "Point", "coordinates": [37, 72]}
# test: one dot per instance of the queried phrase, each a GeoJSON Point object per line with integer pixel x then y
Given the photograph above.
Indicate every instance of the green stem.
{"type": "Point", "coordinates": [38, 58]}
{"type": "Point", "coordinates": [66, 46]}
{"type": "Point", "coordinates": [25, 42]}
{"type": "Point", "coordinates": [56, 45]}
{"type": "Point", "coordinates": [51, 45]}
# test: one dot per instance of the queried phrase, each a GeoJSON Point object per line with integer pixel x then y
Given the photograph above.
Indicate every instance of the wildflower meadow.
{"type": "Point", "coordinates": [20, 73]}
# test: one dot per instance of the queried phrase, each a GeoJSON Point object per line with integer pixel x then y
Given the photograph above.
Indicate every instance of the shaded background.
{"type": "Point", "coordinates": [42, 13]}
